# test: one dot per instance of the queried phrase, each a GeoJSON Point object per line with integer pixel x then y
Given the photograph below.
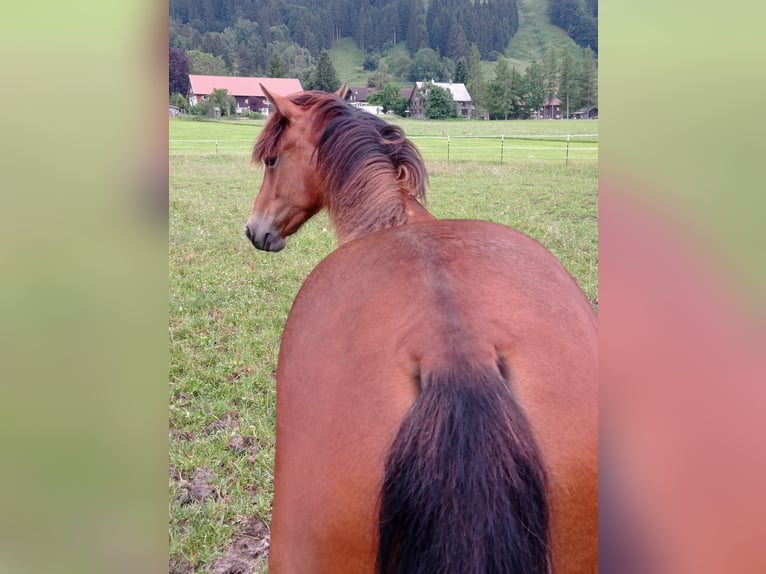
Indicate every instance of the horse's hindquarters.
{"type": "Point", "coordinates": [381, 313]}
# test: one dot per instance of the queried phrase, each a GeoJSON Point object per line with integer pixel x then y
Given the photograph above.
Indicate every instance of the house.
{"type": "Point", "coordinates": [587, 113]}
{"type": "Point", "coordinates": [247, 91]}
{"type": "Point", "coordinates": [460, 95]}
{"type": "Point", "coordinates": [551, 110]}
{"type": "Point", "coordinates": [358, 96]}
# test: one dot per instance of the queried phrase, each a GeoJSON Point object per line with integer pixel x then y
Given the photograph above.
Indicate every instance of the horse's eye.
{"type": "Point", "coordinates": [271, 161]}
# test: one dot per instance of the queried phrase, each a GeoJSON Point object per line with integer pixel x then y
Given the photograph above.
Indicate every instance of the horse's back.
{"type": "Point", "coordinates": [383, 311]}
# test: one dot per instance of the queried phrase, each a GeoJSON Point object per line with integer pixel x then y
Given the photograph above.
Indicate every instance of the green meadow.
{"type": "Point", "coordinates": [228, 302]}
{"type": "Point", "coordinates": [555, 141]}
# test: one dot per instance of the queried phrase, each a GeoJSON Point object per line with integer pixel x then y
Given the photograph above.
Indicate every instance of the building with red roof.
{"type": "Point", "coordinates": [247, 91]}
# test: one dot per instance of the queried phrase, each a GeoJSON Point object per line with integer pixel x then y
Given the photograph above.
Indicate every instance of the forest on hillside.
{"type": "Point", "coordinates": [440, 40]}
{"type": "Point", "coordinates": [240, 31]}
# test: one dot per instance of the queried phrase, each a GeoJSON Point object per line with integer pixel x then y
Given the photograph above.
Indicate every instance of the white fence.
{"type": "Point", "coordinates": [494, 149]}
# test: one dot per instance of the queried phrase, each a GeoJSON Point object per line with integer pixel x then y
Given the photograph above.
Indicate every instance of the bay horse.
{"type": "Point", "coordinates": [437, 379]}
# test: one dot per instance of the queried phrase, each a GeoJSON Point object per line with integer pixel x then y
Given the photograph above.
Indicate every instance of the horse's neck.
{"type": "Point", "coordinates": [399, 209]}
{"type": "Point", "coordinates": [415, 211]}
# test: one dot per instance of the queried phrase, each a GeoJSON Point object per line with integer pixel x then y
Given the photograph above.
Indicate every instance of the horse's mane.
{"type": "Point", "coordinates": [366, 164]}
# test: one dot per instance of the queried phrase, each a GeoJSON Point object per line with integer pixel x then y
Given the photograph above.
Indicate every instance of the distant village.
{"type": "Point", "coordinates": [250, 97]}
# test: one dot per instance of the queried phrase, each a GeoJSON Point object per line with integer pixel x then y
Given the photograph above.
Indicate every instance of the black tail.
{"type": "Point", "coordinates": [464, 488]}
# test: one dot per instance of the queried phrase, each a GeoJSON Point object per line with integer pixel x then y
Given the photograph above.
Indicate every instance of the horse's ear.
{"type": "Point", "coordinates": [343, 92]}
{"type": "Point", "coordinates": [283, 105]}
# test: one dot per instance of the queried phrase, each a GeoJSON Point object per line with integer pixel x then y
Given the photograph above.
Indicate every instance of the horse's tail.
{"type": "Point", "coordinates": [464, 487]}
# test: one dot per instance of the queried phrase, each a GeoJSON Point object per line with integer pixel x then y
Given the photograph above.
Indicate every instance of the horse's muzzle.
{"type": "Point", "coordinates": [264, 236]}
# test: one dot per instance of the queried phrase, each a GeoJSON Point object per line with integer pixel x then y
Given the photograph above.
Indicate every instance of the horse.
{"type": "Point", "coordinates": [437, 379]}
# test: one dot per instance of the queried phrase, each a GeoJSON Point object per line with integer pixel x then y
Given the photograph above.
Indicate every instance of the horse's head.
{"type": "Point", "coordinates": [291, 192]}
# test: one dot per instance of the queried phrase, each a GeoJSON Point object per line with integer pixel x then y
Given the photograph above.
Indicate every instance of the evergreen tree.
{"type": "Point", "coordinates": [247, 64]}
{"type": "Point", "coordinates": [325, 77]}
{"type": "Point", "coordinates": [458, 45]}
{"type": "Point", "coordinates": [550, 73]}
{"type": "Point", "coordinates": [417, 35]}
{"type": "Point", "coordinates": [276, 68]}
{"type": "Point", "coordinates": [308, 77]}
{"type": "Point", "coordinates": [461, 72]}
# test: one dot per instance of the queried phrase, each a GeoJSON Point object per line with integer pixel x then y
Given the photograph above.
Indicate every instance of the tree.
{"type": "Point", "coordinates": [295, 57]}
{"type": "Point", "coordinates": [439, 103]}
{"type": "Point", "coordinates": [417, 34]}
{"type": "Point", "coordinates": [550, 73]}
{"type": "Point", "coordinates": [325, 77]}
{"type": "Point", "coordinates": [308, 76]}
{"type": "Point", "coordinates": [427, 65]}
{"type": "Point", "coordinates": [461, 72]}
{"type": "Point", "coordinates": [215, 43]}
{"type": "Point", "coordinates": [588, 79]}
{"type": "Point", "coordinates": [501, 97]}
{"type": "Point", "coordinates": [371, 61]}
{"type": "Point", "coordinates": [389, 99]}
{"type": "Point", "coordinates": [380, 78]}
{"type": "Point", "coordinates": [276, 68]}
{"type": "Point", "coordinates": [533, 90]}
{"type": "Point", "coordinates": [222, 99]}
{"type": "Point", "coordinates": [178, 68]}
{"type": "Point", "coordinates": [247, 63]}
{"type": "Point", "coordinates": [569, 88]}
{"type": "Point", "coordinates": [475, 77]}
{"type": "Point", "coordinates": [206, 64]}
{"type": "Point", "coordinates": [180, 101]}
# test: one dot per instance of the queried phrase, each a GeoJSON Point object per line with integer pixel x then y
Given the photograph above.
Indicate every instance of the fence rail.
{"type": "Point", "coordinates": [485, 148]}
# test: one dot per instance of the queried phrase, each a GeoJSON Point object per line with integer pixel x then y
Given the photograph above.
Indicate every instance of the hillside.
{"type": "Point", "coordinates": [536, 34]}
{"type": "Point", "coordinates": [239, 37]}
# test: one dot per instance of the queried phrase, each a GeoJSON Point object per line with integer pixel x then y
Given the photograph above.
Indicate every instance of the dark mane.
{"type": "Point", "coordinates": [366, 164]}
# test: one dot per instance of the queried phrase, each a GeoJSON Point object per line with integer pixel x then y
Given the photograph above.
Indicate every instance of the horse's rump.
{"type": "Point", "coordinates": [459, 343]}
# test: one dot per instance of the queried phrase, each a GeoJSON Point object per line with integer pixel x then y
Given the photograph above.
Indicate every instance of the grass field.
{"type": "Point", "coordinates": [453, 141]}
{"type": "Point", "coordinates": [228, 304]}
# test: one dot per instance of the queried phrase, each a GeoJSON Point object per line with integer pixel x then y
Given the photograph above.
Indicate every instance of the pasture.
{"type": "Point", "coordinates": [559, 141]}
{"type": "Point", "coordinates": [228, 302]}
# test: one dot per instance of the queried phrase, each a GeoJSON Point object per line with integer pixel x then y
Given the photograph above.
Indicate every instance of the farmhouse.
{"type": "Point", "coordinates": [358, 96]}
{"type": "Point", "coordinates": [551, 110]}
{"type": "Point", "coordinates": [247, 91]}
{"type": "Point", "coordinates": [460, 95]}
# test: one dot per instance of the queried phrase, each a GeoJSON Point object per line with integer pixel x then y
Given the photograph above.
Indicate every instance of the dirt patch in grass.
{"type": "Point", "coordinates": [198, 489]}
{"type": "Point", "coordinates": [229, 421]}
{"type": "Point", "coordinates": [248, 552]}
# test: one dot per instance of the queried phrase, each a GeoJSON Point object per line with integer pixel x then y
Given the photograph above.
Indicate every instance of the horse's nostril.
{"type": "Point", "coordinates": [248, 233]}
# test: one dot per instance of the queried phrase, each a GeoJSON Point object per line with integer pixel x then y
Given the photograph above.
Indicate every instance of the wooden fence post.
{"type": "Point", "coordinates": [566, 160]}
{"type": "Point", "coordinates": [502, 146]}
